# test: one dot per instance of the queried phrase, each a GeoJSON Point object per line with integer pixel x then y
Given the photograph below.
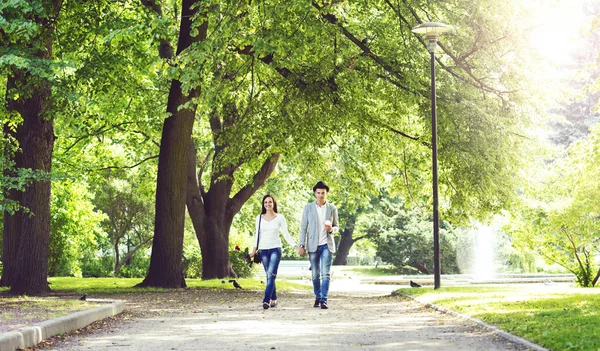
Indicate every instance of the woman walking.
{"type": "Point", "coordinates": [268, 244]}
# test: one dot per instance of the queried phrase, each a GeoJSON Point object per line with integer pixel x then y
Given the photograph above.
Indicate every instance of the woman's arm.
{"type": "Point", "coordinates": [286, 233]}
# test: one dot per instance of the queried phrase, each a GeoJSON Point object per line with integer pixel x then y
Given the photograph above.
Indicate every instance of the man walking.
{"type": "Point", "coordinates": [319, 223]}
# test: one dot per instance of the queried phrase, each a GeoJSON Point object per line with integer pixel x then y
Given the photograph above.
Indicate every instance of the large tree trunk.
{"type": "Point", "coordinates": [214, 233]}
{"type": "Point", "coordinates": [167, 246]}
{"type": "Point", "coordinates": [212, 212]}
{"type": "Point", "coordinates": [12, 222]}
{"type": "Point", "coordinates": [37, 146]}
{"type": "Point", "coordinates": [346, 242]}
{"type": "Point", "coordinates": [343, 248]}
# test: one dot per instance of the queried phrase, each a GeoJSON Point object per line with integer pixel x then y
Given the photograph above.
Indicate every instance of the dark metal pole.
{"type": "Point", "coordinates": [436, 219]}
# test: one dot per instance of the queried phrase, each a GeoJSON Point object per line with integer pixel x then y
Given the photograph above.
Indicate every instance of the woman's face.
{"type": "Point", "coordinates": [268, 203]}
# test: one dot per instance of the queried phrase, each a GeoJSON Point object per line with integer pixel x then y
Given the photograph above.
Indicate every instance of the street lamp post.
{"type": "Point", "coordinates": [432, 30]}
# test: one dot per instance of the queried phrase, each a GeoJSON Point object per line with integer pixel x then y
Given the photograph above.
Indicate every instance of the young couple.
{"type": "Point", "coordinates": [319, 223]}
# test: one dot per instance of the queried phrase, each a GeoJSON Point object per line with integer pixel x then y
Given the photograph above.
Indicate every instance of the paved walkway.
{"type": "Point", "coordinates": [353, 322]}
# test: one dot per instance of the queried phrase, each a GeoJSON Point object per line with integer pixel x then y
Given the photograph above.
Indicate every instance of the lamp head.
{"type": "Point", "coordinates": [431, 31]}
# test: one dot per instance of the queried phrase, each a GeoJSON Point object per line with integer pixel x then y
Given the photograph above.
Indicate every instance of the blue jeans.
{"type": "Point", "coordinates": [270, 259]}
{"type": "Point", "coordinates": [320, 261]}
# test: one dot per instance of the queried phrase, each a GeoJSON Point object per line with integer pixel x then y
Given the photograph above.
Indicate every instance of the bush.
{"type": "Point", "coordinates": [192, 262]}
{"type": "Point", "coordinates": [137, 268]}
{"type": "Point", "coordinates": [97, 266]}
{"type": "Point", "coordinates": [237, 258]}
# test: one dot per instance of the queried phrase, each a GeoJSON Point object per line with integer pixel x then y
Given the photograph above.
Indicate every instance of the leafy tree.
{"type": "Point", "coordinates": [100, 72]}
{"type": "Point", "coordinates": [404, 238]}
{"type": "Point", "coordinates": [562, 223]}
{"type": "Point", "coordinates": [129, 218]}
{"type": "Point", "coordinates": [320, 59]}
{"type": "Point", "coordinates": [27, 42]}
{"type": "Point", "coordinates": [74, 228]}
{"type": "Point", "coordinates": [167, 247]}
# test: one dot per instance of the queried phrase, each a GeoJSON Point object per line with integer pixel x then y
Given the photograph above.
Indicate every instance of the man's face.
{"type": "Point", "coordinates": [321, 195]}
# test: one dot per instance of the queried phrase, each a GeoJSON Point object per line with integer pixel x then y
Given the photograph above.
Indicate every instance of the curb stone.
{"type": "Point", "coordinates": [506, 335]}
{"type": "Point", "coordinates": [31, 336]}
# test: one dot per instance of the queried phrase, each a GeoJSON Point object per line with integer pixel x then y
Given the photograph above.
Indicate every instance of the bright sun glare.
{"type": "Point", "coordinates": [558, 33]}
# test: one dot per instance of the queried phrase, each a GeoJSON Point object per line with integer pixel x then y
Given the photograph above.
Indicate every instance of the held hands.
{"type": "Point", "coordinates": [301, 251]}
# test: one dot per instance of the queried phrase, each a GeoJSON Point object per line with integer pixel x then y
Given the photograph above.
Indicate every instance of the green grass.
{"type": "Point", "coordinates": [126, 285]}
{"type": "Point", "coordinates": [18, 312]}
{"type": "Point", "coordinates": [556, 317]}
{"type": "Point", "coordinates": [370, 271]}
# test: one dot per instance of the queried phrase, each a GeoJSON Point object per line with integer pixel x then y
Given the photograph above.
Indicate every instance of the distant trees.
{"type": "Point", "coordinates": [560, 222]}
{"type": "Point", "coordinates": [404, 239]}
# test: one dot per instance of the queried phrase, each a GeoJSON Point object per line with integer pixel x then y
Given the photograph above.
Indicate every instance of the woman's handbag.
{"type": "Point", "coordinates": [256, 257]}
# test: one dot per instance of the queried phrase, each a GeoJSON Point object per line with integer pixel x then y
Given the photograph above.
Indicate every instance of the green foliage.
{"type": "Point", "coordinates": [126, 285]}
{"type": "Point", "coordinates": [404, 238]}
{"type": "Point", "coordinates": [192, 261]}
{"type": "Point", "coordinates": [74, 228]}
{"type": "Point", "coordinates": [97, 263]}
{"type": "Point", "coordinates": [562, 225]}
{"type": "Point", "coordinates": [129, 220]}
{"type": "Point", "coordinates": [136, 267]}
{"type": "Point", "coordinates": [237, 258]}
{"type": "Point", "coordinates": [539, 315]}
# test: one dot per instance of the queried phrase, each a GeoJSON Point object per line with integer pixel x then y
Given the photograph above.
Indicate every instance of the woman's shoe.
{"type": "Point", "coordinates": [273, 303]}
{"type": "Point", "coordinates": [266, 305]}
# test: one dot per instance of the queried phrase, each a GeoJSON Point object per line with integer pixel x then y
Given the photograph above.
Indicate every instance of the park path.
{"type": "Point", "coordinates": [359, 318]}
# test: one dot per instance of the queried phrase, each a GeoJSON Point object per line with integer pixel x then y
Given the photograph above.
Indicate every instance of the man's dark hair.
{"type": "Point", "coordinates": [320, 185]}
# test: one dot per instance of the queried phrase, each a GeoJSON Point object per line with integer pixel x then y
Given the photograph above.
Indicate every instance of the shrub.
{"type": "Point", "coordinates": [192, 262]}
{"type": "Point", "coordinates": [237, 258]}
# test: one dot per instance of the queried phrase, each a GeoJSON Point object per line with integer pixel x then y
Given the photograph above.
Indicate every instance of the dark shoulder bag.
{"type": "Point", "coordinates": [256, 258]}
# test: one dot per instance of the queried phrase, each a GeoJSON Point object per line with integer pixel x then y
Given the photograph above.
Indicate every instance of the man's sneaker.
{"type": "Point", "coordinates": [324, 305]}
{"type": "Point", "coordinates": [266, 305]}
{"type": "Point", "coordinates": [317, 302]}
{"type": "Point", "coordinates": [273, 303]}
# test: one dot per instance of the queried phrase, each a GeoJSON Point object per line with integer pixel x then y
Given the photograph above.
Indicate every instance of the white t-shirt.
{"type": "Point", "coordinates": [321, 210]}
{"type": "Point", "coordinates": [269, 232]}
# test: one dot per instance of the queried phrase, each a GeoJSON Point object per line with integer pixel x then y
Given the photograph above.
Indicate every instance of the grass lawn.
{"type": "Point", "coordinates": [19, 312]}
{"type": "Point", "coordinates": [126, 285]}
{"type": "Point", "coordinates": [557, 317]}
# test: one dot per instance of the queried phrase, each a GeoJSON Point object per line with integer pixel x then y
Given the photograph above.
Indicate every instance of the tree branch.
{"type": "Point", "coordinates": [332, 19]}
{"type": "Point", "coordinates": [260, 177]}
{"type": "Point", "coordinates": [128, 167]}
{"type": "Point", "coordinates": [476, 82]}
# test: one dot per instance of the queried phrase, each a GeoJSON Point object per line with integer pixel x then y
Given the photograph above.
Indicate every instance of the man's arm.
{"type": "Point", "coordinates": [335, 223]}
{"type": "Point", "coordinates": [303, 228]}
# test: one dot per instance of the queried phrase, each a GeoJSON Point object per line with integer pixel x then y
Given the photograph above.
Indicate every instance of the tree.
{"type": "Point", "coordinates": [560, 222]}
{"type": "Point", "coordinates": [74, 227]}
{"type": "Point", "coordinates": [167, 246]}
{"type": "Point", "coordinates": [356, 83]}
{"type": "Point", "coordinates": [29, 68]}
{"type": "Point", "coordinates": [129, 221]}
{"type": "Point", "coordinates": [403, 238]}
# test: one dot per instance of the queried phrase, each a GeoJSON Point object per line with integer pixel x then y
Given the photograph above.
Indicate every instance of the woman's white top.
{"type": "Point", "coordinates": [269, 232]}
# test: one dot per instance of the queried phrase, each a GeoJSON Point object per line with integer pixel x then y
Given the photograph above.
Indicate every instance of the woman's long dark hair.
{"type": "Point", "coordinates": [264, 210]}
